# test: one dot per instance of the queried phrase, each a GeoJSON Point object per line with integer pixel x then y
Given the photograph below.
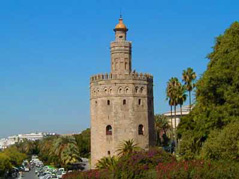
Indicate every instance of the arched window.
{"type": "Point", "coordinates": [108, 130]}
{"type": "Point", "coordinates": [120, 90]}
{"type": "Point", "coordinates": [136, 89]}
{"type": "Point", "coordinates": [105, 90]}
{"type": "Point", "coordinates": [126, 90]}
{"type": "Point", "coordinates": [124, 102]}
{"type": "Point", "coordinates": [141, 89]}
{"type": "Point", "coordinates": [108, 102]}
{"type": "Point", "coordinates": [141, 129]}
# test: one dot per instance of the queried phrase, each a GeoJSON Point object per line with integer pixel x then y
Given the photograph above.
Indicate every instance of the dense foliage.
{"type": "Point", "coordinates": [223, 144]}
{"type": "Point", "coordinates": [59, 151]}
{"type": "Point", "coordinates": [141, 166]}
{"type": "Point", "coordinates": [83, 143]}
{"type": "Point", "coordinates": [217, 97]}
{"type": "Point", "coordinates": [138, 164]}
{"type": "Point", "coordinates": [135, 164]}
{"type": "Point", "coordinates": [10, 157]}
{"type": "Point", "coordinates": [163, 130]}
{"type": "Point", "coordinates": [63, 150]}
{"type": "Point", "coordinates": [196, 169]}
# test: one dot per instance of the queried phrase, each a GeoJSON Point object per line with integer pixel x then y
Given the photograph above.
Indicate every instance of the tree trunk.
{"type": "Point", "coordinates": [189, 100]}
{"type": "Point", "coordinates": [175, 126]}
{"type": "Point", "coordinates": [171, 120]}
{"type": "Point", "coordinates": [181, 111]}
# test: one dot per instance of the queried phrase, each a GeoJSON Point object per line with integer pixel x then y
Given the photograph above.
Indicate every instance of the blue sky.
{"type": "Point", "coordinates": [49, 50]}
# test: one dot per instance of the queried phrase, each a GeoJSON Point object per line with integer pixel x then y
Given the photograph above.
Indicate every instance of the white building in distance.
{"type": "Point", "coordinates": [6, 142]}
{"type": "Point", "coordinates": [185, 111]}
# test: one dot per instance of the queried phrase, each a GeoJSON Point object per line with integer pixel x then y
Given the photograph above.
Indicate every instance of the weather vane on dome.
{"type": "Point", "coordinates": [120, 13]}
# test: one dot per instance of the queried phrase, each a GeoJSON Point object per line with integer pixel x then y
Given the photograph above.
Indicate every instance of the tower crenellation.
{"type": "Point", "coordinates": [133, 76]}
{"type": "Point", "coordinates": [121, 102]}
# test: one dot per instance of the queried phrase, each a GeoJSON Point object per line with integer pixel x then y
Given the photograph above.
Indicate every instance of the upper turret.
{"type": "Point", "coordinates": [120, 31]}
{"type": "Point", "coordinates": [120, 50]}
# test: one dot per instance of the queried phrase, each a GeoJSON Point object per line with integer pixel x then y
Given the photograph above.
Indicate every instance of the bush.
{"type": "Point", "coordinates": [137, 164]}
{"type": "Point", "coordinates": [197, 169]}
{"type": "Point", "coordinates": [91, 174]}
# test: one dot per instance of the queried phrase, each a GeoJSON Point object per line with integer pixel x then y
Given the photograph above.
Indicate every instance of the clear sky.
{"type": "Point", "coordinates": [50, 48]}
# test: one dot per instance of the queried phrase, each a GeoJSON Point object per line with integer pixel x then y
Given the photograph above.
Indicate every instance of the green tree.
{"type": "Point", "coordinates": [5, 163]}
{"type": "Point", "coordinates": [189, 77]}
{"type": "Point", "coordinates": [65, 147]}
{"type": "Point", "coordinates": [169, 97]}
{"type": "Point", "coordinates": [217, 93]}
{"type": "Point", "coordinates": [172, 93]}
{"type": "Point", "coordinates": [45, 148]}
{"type": "Point", "coordinates": [15, 157]}
{"type": "Point", "coordinates": [83, 143]}
{"type": "Point", "coordinates": [181, 96]}
{"type": "Point", "coordinates": [70, 154]}
{"type": "Point", "coordinates": [28, 147]}
{"type": "Point", "coordinates": [223, 144]}
{"type": "Point", "coordinates": [161, 124]}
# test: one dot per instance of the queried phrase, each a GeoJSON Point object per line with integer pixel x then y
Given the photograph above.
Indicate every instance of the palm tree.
{"type": "Point", "coordinates": [127, 147]}
{"type": "Point", "coordinates": [107, 163]}
{"type": "Point", "coordinates": [172, 96]}
{"type": "Point", "coordinates": [161, 124]}
{"type": "Point", "coordinates": [70, 154]}
{"type": "Point", "coordinates": [189, 77]}
{"type": "Point", "coordinates": [181, 96]}
{"type": "Point", "coordinates": [66, 149]}
{"type": "Point", "coordinates": [169, 97]}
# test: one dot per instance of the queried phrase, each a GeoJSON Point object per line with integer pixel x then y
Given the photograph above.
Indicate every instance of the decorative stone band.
{"type": "Point", "coordinates": [124, 43]}
{"type": "Point", "coordinates": [131, 76]}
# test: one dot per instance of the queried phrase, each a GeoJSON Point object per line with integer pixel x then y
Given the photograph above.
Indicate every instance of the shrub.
{"type": "Point", "coordinates": [91, 174]}
{"type": "Point", "coordinates": [137, 164]}
{"type": "Point", "coordinates": [197, 169]}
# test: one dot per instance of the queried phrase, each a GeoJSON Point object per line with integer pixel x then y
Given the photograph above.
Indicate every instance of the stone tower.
{"type": "Point", "coordinates": [121, 103]}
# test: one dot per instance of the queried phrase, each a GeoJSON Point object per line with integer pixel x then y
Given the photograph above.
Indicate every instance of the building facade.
{"type": "Point", "coordinates": [121, 102]}
{"type": "Point", "coordinates": [11, 140]}
{"type": "Point", "coordinates": [172, 118]}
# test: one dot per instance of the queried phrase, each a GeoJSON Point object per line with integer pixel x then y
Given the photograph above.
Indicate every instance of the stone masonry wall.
{"type": "Point", "coordinates": [108, 93]}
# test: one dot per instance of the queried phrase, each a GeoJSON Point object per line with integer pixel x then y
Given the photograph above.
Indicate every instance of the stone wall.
{"type": "Point", "coordinates": [124, 103]}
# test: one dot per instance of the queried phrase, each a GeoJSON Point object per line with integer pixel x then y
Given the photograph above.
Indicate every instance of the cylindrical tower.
{"type": "Point", "coordinates": [120, 51]}
{"type": "Point", "coordinates": [121, 103]}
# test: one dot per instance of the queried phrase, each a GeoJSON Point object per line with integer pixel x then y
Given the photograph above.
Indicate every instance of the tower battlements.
{"type": "Point", "coordinates": [131, 76]}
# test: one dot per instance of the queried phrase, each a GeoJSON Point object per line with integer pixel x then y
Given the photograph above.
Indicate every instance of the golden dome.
{"type": "Point", "coordinates": [120, 26]}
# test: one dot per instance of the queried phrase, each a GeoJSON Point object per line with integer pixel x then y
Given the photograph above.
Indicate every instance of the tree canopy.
{"type": "Point", "coordinates": [217, 94]}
